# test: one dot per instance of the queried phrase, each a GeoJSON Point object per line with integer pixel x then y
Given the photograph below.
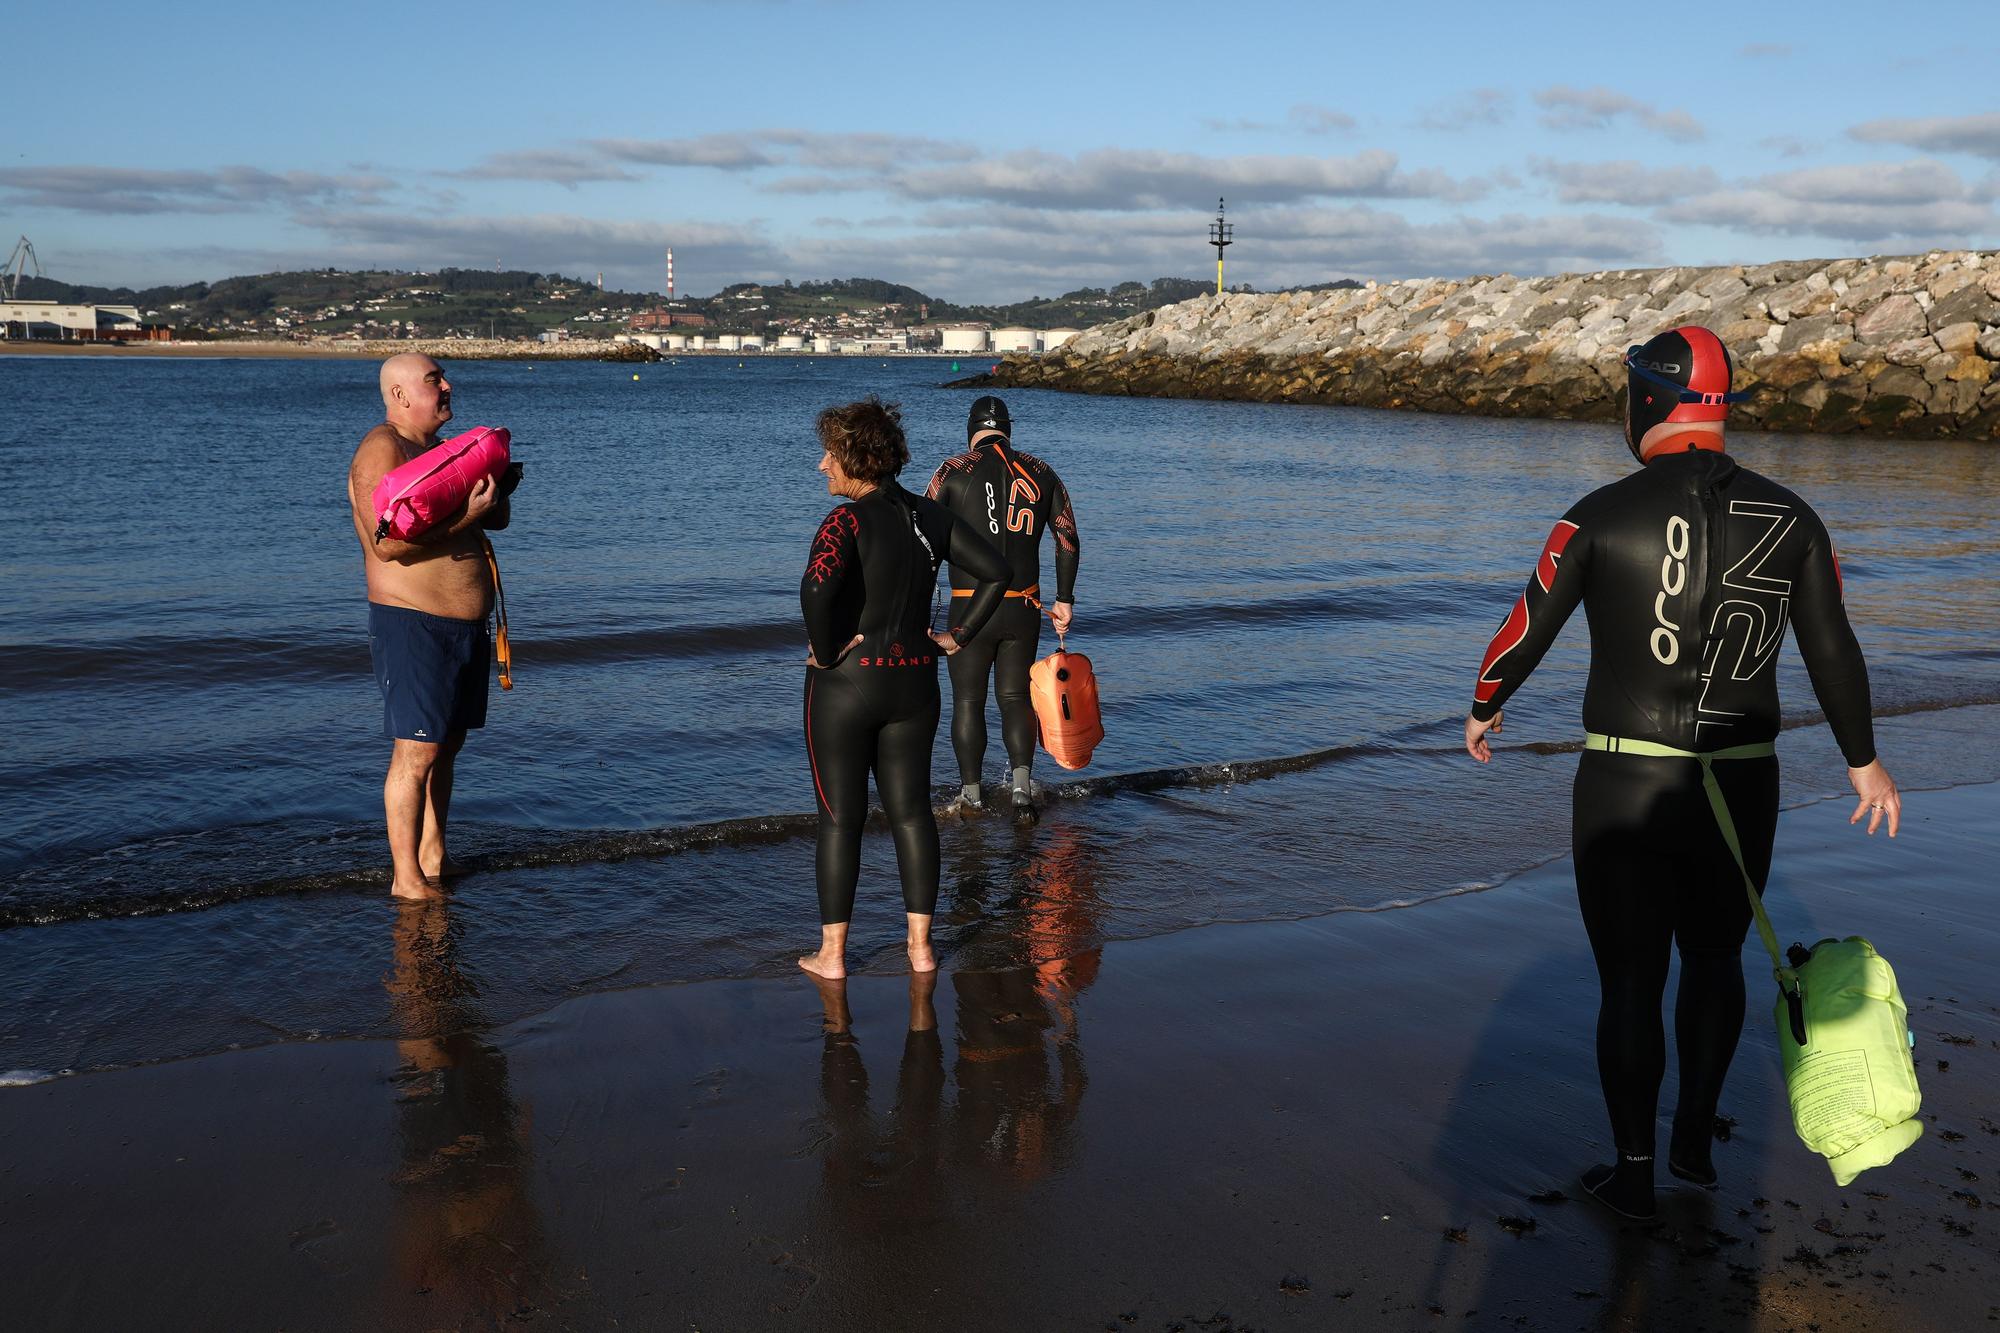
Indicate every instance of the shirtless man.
{"type": "Point", "coordinates": [428, 599]}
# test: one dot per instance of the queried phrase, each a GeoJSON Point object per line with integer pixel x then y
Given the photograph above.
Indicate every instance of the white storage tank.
{"type": "Point", "coordinates": [676, 342]}
{"type": "Point", "coordinates": [823, 345]}
{"type": "Point", "coordinates": [1014, 340]}
{"type": "Point", "coordinates": [791, 342]}
{"type": "Point", "coordinates": [697, 342]}
{"type": "Point", "coordinates": [651, 340]}
{"type": "Point", "coordinates": [729, 342]}
{"type": "Point", "coordinates": [1054, 338]}
{"type": "Point", "coordinates": [964, 340]}
{"type": "Point", "coordinates": [752, 342]}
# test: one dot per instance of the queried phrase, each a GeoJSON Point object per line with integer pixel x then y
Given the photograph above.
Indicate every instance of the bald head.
{"type": "Point", "coordinates": [415, 394]}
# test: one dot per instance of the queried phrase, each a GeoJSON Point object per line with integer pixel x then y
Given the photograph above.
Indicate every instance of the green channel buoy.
{"type": "Point", "coordinates": [954, 365]}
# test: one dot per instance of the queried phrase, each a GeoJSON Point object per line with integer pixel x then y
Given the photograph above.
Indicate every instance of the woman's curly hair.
{"type": "Point", "coordinates": [865, 438]}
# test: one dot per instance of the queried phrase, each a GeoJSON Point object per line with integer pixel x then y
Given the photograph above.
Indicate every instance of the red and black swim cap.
{"type": "Point", "coordinates": [1680, 375]}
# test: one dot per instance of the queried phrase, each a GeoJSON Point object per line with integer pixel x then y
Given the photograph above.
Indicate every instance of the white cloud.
{"type": "Point", "coordinates": [1319, 119]}
{"type": "Point", "coordinates": [559, 166]}
{"type": "Point", "coordinates": [1787, 145]}
{"type": "Point", "coordinates": [1481, 106]}
{"type": "Point", "coordinates": [93, 189]}
{"type": "Point", "coordinates": [1921, 202]}
{"type": "Point", "coordinates": [1120, 179]}
{"type": "Point", "coordinates": [1567, 108]}
{"type": "Point", "coordinates": [1978, 135]}
{"type": "Point", "coordinates": [1622, 182]}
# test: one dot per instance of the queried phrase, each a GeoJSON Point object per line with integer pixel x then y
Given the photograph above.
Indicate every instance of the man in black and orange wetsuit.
{"type": "Point", "coordinates": [1688, 571]}
{"type": "Point", "coordinates": [1011, 498]}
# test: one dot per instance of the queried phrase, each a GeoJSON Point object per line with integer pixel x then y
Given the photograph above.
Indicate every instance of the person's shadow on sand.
{"type": "Point", "coordinates": [1525, 1118]}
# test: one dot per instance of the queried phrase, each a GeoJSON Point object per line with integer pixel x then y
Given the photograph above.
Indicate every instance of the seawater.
{"type": "Point", "coordinates": [190, 739]}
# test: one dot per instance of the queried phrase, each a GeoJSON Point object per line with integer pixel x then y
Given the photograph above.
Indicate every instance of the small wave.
{"type": "Point", "coordinates": [86, 890]}
{"type": "Point", "coordinates": [289, 656]}
{"type": "Point", "coordinates": [25, 1078]}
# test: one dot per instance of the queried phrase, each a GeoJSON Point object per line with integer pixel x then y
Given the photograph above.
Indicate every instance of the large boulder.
{"type": "Point", "coordinates": [1893, 319]}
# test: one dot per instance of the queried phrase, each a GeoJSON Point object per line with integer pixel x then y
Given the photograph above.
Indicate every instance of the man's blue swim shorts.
{"type": "Point", "coordinates": [432, 671]}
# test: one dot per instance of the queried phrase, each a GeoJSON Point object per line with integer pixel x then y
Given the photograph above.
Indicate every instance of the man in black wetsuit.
{"type": "Point", "coordinates": [871, 678]}
{"type": "Point", "coordinates": [1688, 570]}
{"type": "Point", "coordinates": [1011, 498]}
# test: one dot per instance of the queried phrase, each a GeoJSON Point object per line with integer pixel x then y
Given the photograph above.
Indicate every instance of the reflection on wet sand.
{"type": "Point", "coordinates": [466, 1242]}
{"type": "Point", "coordinates": [1017, 1073]}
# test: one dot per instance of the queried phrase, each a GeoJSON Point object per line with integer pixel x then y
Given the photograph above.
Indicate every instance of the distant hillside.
{"type": "Point", "coordinates": [518, 304]}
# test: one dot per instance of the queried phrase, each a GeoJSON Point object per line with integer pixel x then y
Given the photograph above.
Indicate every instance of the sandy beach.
{"type": "Point", "coordinates": [1367, 1120]}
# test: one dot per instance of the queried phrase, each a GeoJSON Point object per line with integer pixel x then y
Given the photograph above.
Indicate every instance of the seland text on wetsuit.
{"type": "Point", "coordinates": [1688, 571]}
{"type": "Point", "coordinates": [1011, 498]}
{"type": "Point", "coordinates": [871, 571]}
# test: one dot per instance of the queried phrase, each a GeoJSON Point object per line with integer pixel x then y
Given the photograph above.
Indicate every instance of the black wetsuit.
{"type": "Point", "coordinates": [873, 566]}
{"type": "Point", "coordinates": [1688, 571]}
{"type": "Point", "coordinates": [1011, 498]}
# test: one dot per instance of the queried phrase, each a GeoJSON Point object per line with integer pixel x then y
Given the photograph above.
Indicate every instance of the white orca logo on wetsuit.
{"type": "Point", "coordinates": [1673, 577]}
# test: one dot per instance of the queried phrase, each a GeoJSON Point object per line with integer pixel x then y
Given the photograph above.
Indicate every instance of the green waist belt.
{"type": "Point", "coordinates": [1597, 740]}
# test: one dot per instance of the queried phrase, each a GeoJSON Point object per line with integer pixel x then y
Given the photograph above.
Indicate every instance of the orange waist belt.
{"type": "Point", "coordinates": [502, 651]}
{"type": "Point", "coordinates": [1028, 593]}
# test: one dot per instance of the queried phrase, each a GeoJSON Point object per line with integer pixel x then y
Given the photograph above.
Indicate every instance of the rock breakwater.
{"type": "Point", "coordinates": [1904, 346]}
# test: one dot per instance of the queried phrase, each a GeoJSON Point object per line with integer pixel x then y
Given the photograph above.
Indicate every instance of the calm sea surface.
{"type": "Point", "coordinates": [190, 745]}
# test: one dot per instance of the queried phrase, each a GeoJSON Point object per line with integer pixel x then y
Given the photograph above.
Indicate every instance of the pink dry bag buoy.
{"type": "Point", "coordinates": [413, 498]}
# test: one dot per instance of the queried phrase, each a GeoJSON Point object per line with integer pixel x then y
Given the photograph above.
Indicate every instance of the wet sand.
{"type": "Point", "coordinates": [1367, 1120]}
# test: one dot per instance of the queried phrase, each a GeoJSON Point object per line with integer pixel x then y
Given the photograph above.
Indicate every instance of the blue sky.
{"type": "Point", "coordinates": [991, 152]}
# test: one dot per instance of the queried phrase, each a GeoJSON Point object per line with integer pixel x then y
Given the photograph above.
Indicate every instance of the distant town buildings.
{"type": "Point", "coordinates": [70, 322]}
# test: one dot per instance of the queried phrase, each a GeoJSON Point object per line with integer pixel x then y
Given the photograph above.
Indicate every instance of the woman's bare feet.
{"type": "Point", "coordinates": [825, 966]}
{"type": "Point", "coordinates": [422, 891]}
{"type": "Point", "coordinates": [922, 957]}
{"type": "Point", "coordinates": [830, 963]}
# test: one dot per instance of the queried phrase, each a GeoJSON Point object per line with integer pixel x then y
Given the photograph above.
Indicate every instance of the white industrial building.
{"type": "Point", "coordinates": [1054, 338]}
{"type": "Point", "coordinates": [823, 345]}
{"type": "Point", "coordinates": [1014, 340]}
{"type": "Point", "coordinates": [963, 340]}
{"type": "Point", "coordinates": [65, 321]}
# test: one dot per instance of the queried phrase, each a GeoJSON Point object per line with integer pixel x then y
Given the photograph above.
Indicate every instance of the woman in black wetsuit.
{"type": "Point", "coordinates": [871, 678]}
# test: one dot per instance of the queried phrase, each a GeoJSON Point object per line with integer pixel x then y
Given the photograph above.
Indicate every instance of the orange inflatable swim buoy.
{"type": "Point", "coordinates": [1063, 689]}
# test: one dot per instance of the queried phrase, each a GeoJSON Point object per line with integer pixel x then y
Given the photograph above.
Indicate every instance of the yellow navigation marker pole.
{"type": "Point", "coordinates": [1218, 236]}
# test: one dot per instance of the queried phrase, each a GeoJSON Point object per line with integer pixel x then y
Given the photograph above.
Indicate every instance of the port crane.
{"type": "Point", "coordinates": [10, 277]}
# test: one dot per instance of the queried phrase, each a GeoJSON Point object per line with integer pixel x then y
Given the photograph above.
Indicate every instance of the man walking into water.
{"type": "Point", "coordinates": [1688, 570]}
{"type": "Point", "coordinates": [1011, 499]}
{"type": "Point", "coordinates": [428, 600]}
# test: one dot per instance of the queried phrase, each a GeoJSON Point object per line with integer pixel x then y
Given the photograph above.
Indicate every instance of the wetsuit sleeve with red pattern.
{"type": "Point", "coordinates": [1833, 658]}
{"type": "Point", "coordinates": [831, 563]}
{"type": "Point", "coordinates": [1062, 521]}
{"type": "Point", "coordinates": [1531, 627]}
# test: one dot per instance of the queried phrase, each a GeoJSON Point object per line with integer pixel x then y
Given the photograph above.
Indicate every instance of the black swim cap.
{"type": "Point", "coordinates": [988, 413]}
{"type": "Point", "coordinates": [1680, 375]}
